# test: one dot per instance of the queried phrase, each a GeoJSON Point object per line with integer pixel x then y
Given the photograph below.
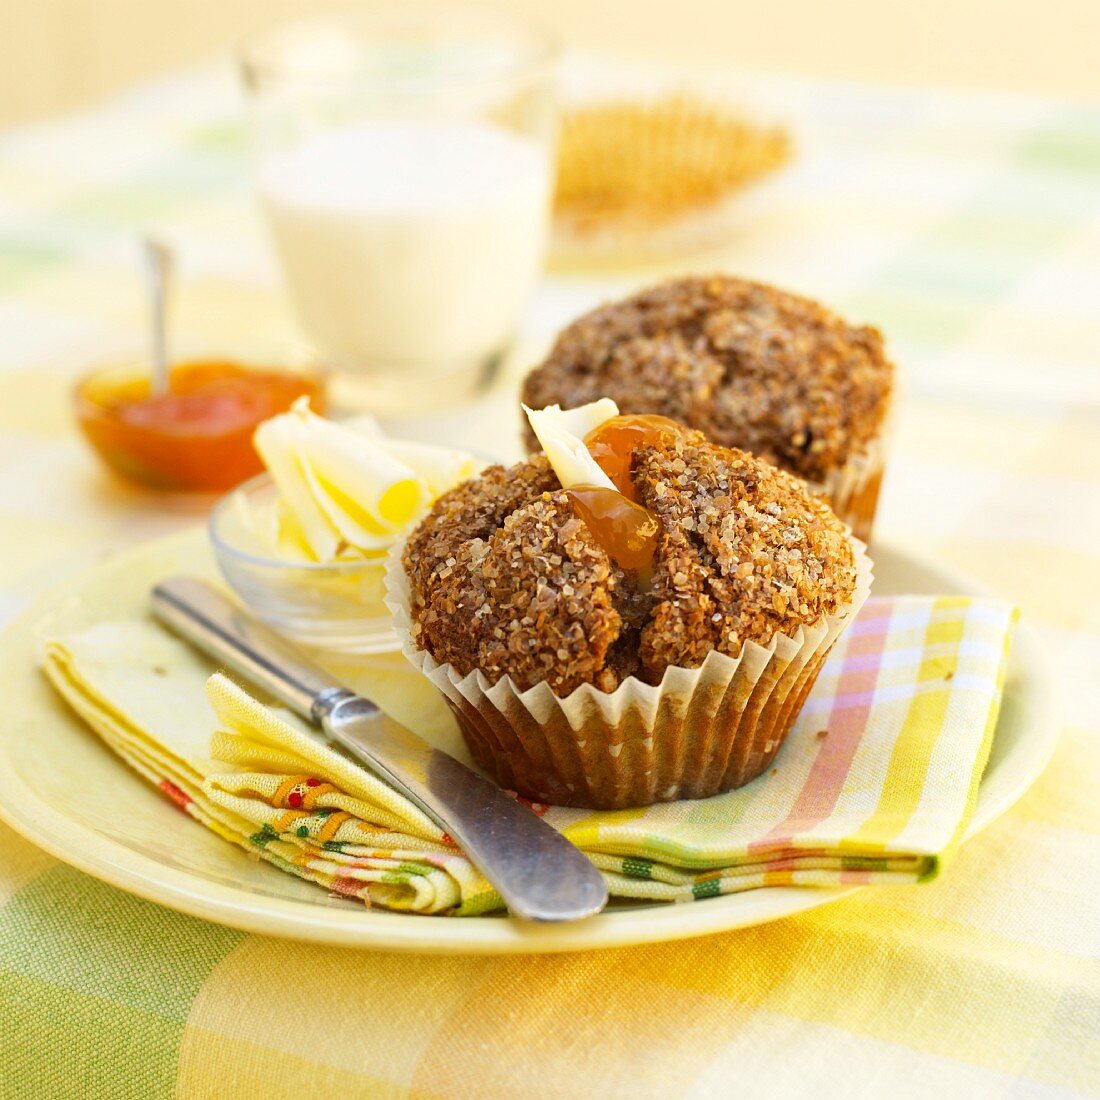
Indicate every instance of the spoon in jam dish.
{"type": "Point", "coordinates": [159, 263]}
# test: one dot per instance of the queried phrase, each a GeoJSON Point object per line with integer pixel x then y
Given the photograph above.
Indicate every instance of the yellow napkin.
{"type": "Point", "coordinates": [350, 832]}
{"type": "Point", "coordinates": [876, 783]}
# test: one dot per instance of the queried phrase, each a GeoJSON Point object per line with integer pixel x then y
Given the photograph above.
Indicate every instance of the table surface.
{"type": "Point", "coordinates": [968, 229]}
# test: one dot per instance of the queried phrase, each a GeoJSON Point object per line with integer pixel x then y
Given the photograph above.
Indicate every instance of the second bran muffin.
{"type": "Point", "coordinates": [749, 365]}
{"type": "Point", "coordinates": [539, 633]}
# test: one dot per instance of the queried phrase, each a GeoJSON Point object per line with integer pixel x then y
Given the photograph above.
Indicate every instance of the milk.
{"type": "Point", "coordinates": [409, 244]}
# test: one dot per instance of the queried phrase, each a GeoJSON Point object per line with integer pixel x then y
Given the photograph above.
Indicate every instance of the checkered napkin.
{"type": "Point", "coordinates": [876, 783]}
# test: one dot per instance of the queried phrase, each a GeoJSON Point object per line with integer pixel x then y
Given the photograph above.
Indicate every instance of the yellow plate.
{"type": "Point", "coordinates": [56, 778]}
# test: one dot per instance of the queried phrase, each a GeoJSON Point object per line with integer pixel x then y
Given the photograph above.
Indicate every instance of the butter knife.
{"type": "Point", "coordinates": [540, 875]}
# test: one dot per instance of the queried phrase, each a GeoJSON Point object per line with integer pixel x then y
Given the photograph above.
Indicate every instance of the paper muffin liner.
{"type": "Point", "coordinates": [699, 732]}
{"type": "Point", "coordinates": [852, 490]}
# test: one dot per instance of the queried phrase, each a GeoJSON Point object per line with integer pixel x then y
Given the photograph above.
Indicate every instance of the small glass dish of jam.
{"type": "Point", "coordinates": [196, 437]}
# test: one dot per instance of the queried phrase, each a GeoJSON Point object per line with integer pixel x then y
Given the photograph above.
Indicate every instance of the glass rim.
{"type": "Point", "coordinates": [257, 54]}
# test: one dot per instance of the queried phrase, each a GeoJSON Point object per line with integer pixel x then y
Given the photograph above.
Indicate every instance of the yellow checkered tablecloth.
{"type": "Point", "coordinates": [969, 230]}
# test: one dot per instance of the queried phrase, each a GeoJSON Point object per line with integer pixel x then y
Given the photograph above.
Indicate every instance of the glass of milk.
{"type": "Point", "coordinates": [404, 163]}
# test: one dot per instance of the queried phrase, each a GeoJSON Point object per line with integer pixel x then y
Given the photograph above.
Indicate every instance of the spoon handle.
{"type": "Point", "coordinates": [158, 259]}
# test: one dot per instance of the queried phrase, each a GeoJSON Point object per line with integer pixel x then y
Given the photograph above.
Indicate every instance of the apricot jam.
{"type": "Point", "coordinates": [625, 530]}
{"type": "Point", "coordinates": [197, 436]}
{"type": "Point", "coordinates": [612, 444]}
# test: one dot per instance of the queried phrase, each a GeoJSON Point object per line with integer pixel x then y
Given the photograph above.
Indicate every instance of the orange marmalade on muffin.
{"type": "Point", "coordinates": [626, 530]}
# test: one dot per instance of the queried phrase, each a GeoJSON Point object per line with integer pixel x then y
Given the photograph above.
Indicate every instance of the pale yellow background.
{"type": "Point", "coordinates": [59, 54]}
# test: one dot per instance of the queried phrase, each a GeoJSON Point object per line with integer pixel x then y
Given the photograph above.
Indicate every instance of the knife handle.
{"type": "Point", "coordinates": [203, 616]}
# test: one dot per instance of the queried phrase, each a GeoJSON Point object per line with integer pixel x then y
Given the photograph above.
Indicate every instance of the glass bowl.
{"type": "Point", "coordinates": [327, 605]}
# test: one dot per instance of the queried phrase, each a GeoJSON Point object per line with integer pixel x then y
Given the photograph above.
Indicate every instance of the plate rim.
{"type": "Point", "coordinates": [82, 847]}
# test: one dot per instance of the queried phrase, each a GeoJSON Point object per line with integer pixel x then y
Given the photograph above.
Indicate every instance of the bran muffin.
{"type": "Point", "coordinates": [747, 364]}
{"type": "Point", "coordinates": [579, 682]}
